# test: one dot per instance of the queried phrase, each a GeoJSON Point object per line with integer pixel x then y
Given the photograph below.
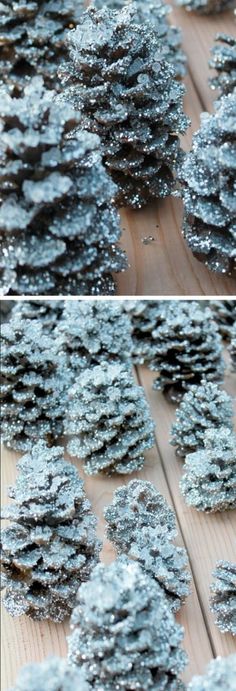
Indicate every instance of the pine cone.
{"type": "Point", "coordinates": [48, 312]}
{"type": "Point", "coordinates": [5, 310]}
{"type": "Point", "coordinates": [57, 223]}
{"type": "Point", "coordinates": [54, 673]}
{"type": "Point", "coordinates": [208, 177]}
{"type": "Point", "coordinates": [225, 315]}
{"type": "Point", "coordinates": [128, 94]}
{"type": "Point", "coordinates": [109, 420]}
{"type": "Point", "coordinates": [232, 348]}
{"type": "Point", "coordinates": [209, 481]}
{"type": "Point", "coordinates": [205, 6]}
{"type": "Point", "coordinates": [146, 316]}
{"type": "Point", "coordinates": [34, 385]}
{"type": "Point", "coordinates": [94, 330]}
{"type": "Point", "coordinates": [187, 349]}
{"type": "Point", "coordinates": [33, 39]}
{"type": "Point", "coordinates": [220, 675]}
{"type": "Point", "coordinates": [202, 408]}
{"type": "Point", "coordinates": [51, 545]}
{"type": "Point", "coordinates": [124, 635]}
{"type": "Point", "coordinates": [223, 600]}
{"type": "Point", "coordinates": [224, 62]}
{"type": "Point", "coordinates": [135, 506]}
{"type": "Point", "coordinates": [156, 16]}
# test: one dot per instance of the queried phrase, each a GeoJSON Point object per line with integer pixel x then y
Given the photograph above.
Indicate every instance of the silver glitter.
{"type": "Point", "coordinates": [220, 676]}
{"type": "Point", "coordinates": [53, 674]}
{"type": "Point", "coordinates": [58, 224]}
{"type": "Point", "coordinates": [108, 420]}
{"type": "Point", "coordinates": [205, 6]}
{"type": "Point", "coordinates": [201, 408]}
{"type": "Point", "coordinates": [209, 480]}
{"type": "Point", "coordinates": [35, 379]}
{"type": "Point", "coordinates": [51, 544]}
{"type": "Point", "coordinates": [142, 525]}
{"type": "Point", "coordinates": [94, 330]}
{"type": "Point", "coordinates": [148, 240]}
{"type": "Point", "coordinates": [187, 348]}
{"type": "Point", "coordinates": [156, 16]}
{"type": "Point", "coordinates": [223, 600]}
{"type": "Point", "coordinates": [224, 312]}
{"type": "Point", "coordinates": [208, 179]}
{"type": "Point", "coordinates": [128, 94]}
{"type": "Point", "coordinates": [124, 634]}
{"type": "Point", "coordinates": [223, 61]}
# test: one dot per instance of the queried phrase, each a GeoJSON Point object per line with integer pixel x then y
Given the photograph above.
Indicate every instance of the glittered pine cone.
{"type": "Point", "coordinates": [208, 180]}
{"type": "Point", "coordinates": [57, 222]}
{"type": "Point", "coordinates": [108, 420]}
{"type": "Point", "coordinates": [128, 94]}
{"type": "Point", "coordinates": [224, 312]}
{"type": "Point", "coordinates": [232, 347]}
{"type": "Point", "coordinates": [94, 330]}
{"type": "Point", "coordinates": [209, 480]}
{"type": "Point", "coordinates": [33, 39]}
{"type": "Point", "coordinates": [48, 312]}
{"type": "Point", "coordinates": [50, 546]}
{"type": "Point", "coordinates": [187, 348]}
{"type": "Point", "coordinates": [155, 14]}
{"type": "Point", "coordinates": [124, 634]}
{"type": "Point", "coordinates": [145, 315]}
{"type": "Point", "coordinates": [201, 408]}
{"type": "Point", "coordinates": [223, 61]}
{"type": "Point", "coordinates": [223, 599]}
{"type": "Point", "coordinates": [220, 674]}
{"type": "Point", "coordinates": [35, 379]}
{"type": "Point", "coordinates": [205, 6]}
{"type": "Point", "coordinates": [53, 673]}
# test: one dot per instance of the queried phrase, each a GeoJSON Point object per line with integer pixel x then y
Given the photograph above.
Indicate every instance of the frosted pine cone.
{"type": "Point", "coordinates": [220, 674]}
{"type": "Point", "coordinates": [35, 380]}
{"type": "Point", "coordinates": [223, 600]}
{"type": "Point", "coordinates": [208, 178]}
{"type": "Point", "coordinates": [201, 408]}
{"type": "Point", "coordinates": [209, 480]}
{"type": "Point", "coordinates": [57, 223]}
{"type": "Point", "coordinates": [124, 635]}
{"type": "Point", "coordinates": [156, 15]}
{"type": "Point", "coordinates": [187, 349]}
{"type": "Point", "coordinates": [51, 545]}
{"type": "Point", "coordinates": [225, 315]}
{"type": "Point", "coordinates": [128, 94]}
{"type": "Point", "coordinates": [205, 6]}
{"type": "Point", "coordinates": [232, 347]}
{"type": "Point", "coordinates": [54, 673]}
{"type": "Point", "coordinates": [48, 312]}
{"type": "Point", "coordinates": [94, 330]}
{"type": "Point", "coordinates": [146, 316]}
{"type": "Point", "coordinates": [33, 39]}
{"type": "Point", "coordinates": [223, 60]}
{"type": "Point", "coordinates": [109, 420]}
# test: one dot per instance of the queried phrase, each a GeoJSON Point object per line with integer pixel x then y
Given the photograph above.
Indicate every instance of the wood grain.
{"type": "Point", "coordinates": [206, 537]}
{"type": "Point", "coordinates": [166, 266]}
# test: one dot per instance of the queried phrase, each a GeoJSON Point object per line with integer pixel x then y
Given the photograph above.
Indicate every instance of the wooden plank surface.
{"type": "Point", "coordinates": [206, 537]}
{"type": "Point", "coordinates": [166, 266]}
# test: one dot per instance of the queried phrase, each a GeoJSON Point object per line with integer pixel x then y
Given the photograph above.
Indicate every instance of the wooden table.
{"type": "Point", "coordinates": [166, 266]}
{"type": "Point", "coordinates": [206, 537]}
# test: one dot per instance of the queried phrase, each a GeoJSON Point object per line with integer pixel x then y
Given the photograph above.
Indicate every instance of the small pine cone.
{"type": "Point", "coordinates": [208, 179]}
{"type": "Point", "coordinates": [48, 312]}
{"type": "Point", "coordinates": [51, 545]}
{"type": "Point", "coordinates": [35, 380]}
{"type": "Point", "coordinates": [232, 347]}
{"type": "Point", "coordinates": [135, 506]}
{"type": "Point", "coordinates": [187, 349]}
{"type": "Point", "coordinates": [33, 39]}
{"type": "Point", "coordinates": [224, 62]}
{"type": "Point", "coordinates": [54, 673]}
{"type": "Point", "coordinates": [109, 420]}
{"type": "Point", "coordinates": [146, 316]}
{"type": "Point", "coordinates": [205, 6]}
{"type": "Point", "coordinates": [223, 600]}
{"type": "Point", "coordinates": [224, 312]}
{"type": "Point", "coordinates": [156, 16]}
{"type": "Point", "coordinates": [201, 408]}
{"type": "Point", "coordinates": [124, 634]}
{"type": "Point", "coordinates": [57, 223]}
{"type": "Point", "coordinates": [209, 480]}
{"type": "Point", "coordinates": [128, 94]}
{"type": "Point", "coordinates": [92, 331]}
{"type": "Point", "coordinates": [220, 675]}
